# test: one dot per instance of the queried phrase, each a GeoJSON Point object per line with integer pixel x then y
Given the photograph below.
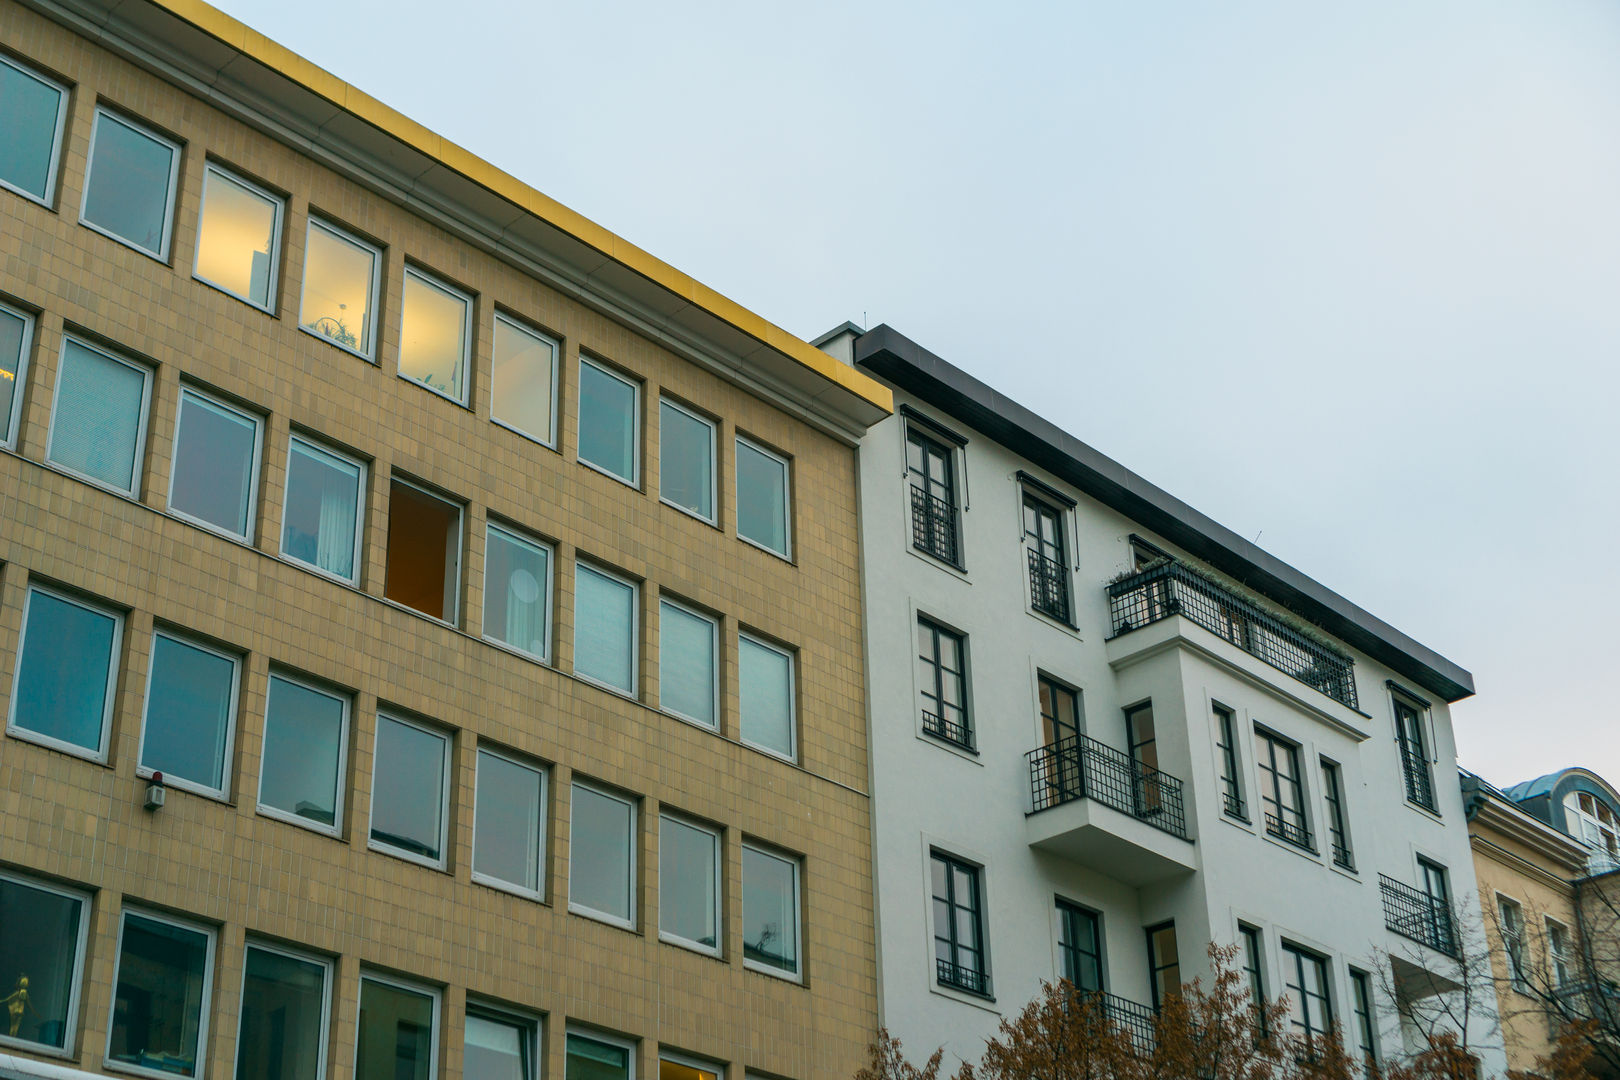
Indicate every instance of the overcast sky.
{"type": "Point", "coordinates": [1342, 276]}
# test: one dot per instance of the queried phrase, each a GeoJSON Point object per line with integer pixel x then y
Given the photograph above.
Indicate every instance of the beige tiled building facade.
{"type": "Point", "coordinates": [486, 591]}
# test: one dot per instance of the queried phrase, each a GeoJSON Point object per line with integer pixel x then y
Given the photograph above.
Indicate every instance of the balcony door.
{"type": "Point", "coordinates": [1060, 726]}
{"type": "Point", "coordinates": [1142, 736]}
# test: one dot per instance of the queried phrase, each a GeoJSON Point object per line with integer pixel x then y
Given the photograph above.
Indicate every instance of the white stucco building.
{"type": "Point", "coordinates": [1106, 731]}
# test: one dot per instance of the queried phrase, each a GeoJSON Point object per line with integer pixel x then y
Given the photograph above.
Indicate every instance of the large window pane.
{"type": "Point", "coordinates": [770, 887]}
{"type": "Point", "coordinates": [282, 1035]}
{"type": "Point", "coordinates": [305, 734]}
{"type": "Point", "coordinates": [689, 884]}
{"type": "Point", "coordinates": [686, 460]}
{"type": "Point", "coordinates": [765, 682]}
{"type": "Point", "coordinates": [66, 671]}
{"type": "Point", "coordinates": [424, 551]}
{"type": "Point", "coordinates": [98, 427]}
{"type": "Point", "coordinates": [340, 288]}
{"type": "Point", "coordinates": [321, 519]}
{"type": "Point", "coordinates": [238, 237]}
{"type": "Point", "coordinates": [601, 856]}
{"type": "Point", "coordinates": [435, 329]}
{"type": "Point", "coordinates": [41, 950]}
{"type": "Point", "coordinates": [160, 1003]}
{"type": "Point", "coordinates": [129, 192]}
{"type": "Point", "coordinates": [31, 112]}
{"type": "Point", "coordinates": [509, 821]}
{"type": "Point", "coordinates": [498, 1048]}
{"type": "Point", "coordinates": [396, 1040]}
{"type": "Point", "coordinates": [594, 1059]}
{"type": "Point", "coordinates": [762, 497]}
{"type": "Point", "coordinates": [408, 789]}
{"type": "Point", "coordinates": [517, 592]}
{"type": "Point", "coordinates": [524, 380]}
{"type": "Point", "coordinates": [608, 429]}
{"type": "Point", "coordinates": [604, 628]}
{"type": "Point", "coordinates": [16, 335]}
{"type": "Point", "coordinates": [687, 663]}
{"type": "Point", "coordinates": [216, 464]}
{"type": "Point", "coordinates": [190, 713]}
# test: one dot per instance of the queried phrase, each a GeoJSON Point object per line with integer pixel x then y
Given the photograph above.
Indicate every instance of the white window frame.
{"type": "Point", "coordinates": [540, 843]}
{"type": "Point", "coordinates": [717, 949]}
{"type": "Point", "coordinates": [372, 297]}
{"type": "Point", "coordinates": [347, 703]}
{"type": "Point", "coordinates": [793, 697]}
{"type": "Point", "coordinates": [503, 1014]}
{"type": "Point", "coordinates": [209, 961]}
{"type": "Point", "coordinates": [492, 525]}
{"type": "Point", "coordinates": [1518, 972]}
{"type": "Point", "coordinates": [593, 1035]}
{"type": "Point", "coordinates": [432, 281]}
{"type": "Point", "coordinates": [223, 792]}
{"type": "Point", "coordinates": [635, 826]}
{"type": "Point", "coordinates": [326, 999]}
{"type": "Point", "coordinates": [75, 990]}
{"type": "Point", "coordinates": [211, 400]}
{"type": "Point", "coordinates": [412, 988]}
{"type": "Point", "coordinates": [635, 629]}
{"type": "Point", "coordinates": [522, 327]}
{"type": "Point", "coordinates": [1558, 959]}
{"type": "Point", "coordinates": [715, 675]}
{"type": "Point", "coordinates": [373, 844]}
{"type": "Point", "coordinates": [452, 617]}
{"type": "Point", "coordinates": [99, 755]}
{"type": "Point", "coordinates": [714, 460]}
{"type": "Point", "coordinates": [797, 975]}
{"type": "Point", "coordinates": [787, 500]}
{"type": "Point", "coordinates": [134, 490]}
{"type": "Point", "coordinates": [25, 349]}
{"type": "Point", "coordinates": [280, 205]}
{"type": "Point", "coordinates": [361, 497]}
{"type": "Point", "coordinates": [56, 137]}
{"type": "Point", "coordinates": [634, 479]}
{"type": "Point", "coordinates": [102, 112]}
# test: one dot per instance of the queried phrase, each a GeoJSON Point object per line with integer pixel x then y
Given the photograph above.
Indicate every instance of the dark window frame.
{"type": "Point", "coordinates": [1253, 967]}
{"type": "Point", "coordinates": [1155, 968]}
{"type": "Point", "coordinates": [1337, 818]}
{"type": "Point", "coordinates": [1288, 823]}
{"type": "Point", "coordinates": [1413, 746]}
{"type": "Point", "coordinates": [1361, 1008]}
{"type": "Point", "coordinates": [936, 721]}
{"type": "Point", "coordinates": [972, 977]}
{"type": "Point", "coordinates": [1070, 949]}
{"type": "Point", "coordinates": [1048, 570]}
{"type": "Point", "coordinates": [1226, 746]}
{"type": "Point", "coordinates": [937, 533]}
{"type": "Point", "coordinates": [1297, 957]}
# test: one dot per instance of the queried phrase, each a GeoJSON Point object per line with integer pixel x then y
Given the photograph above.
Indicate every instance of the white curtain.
{"type": "Point", "coordinates": [523, 612]}
{"type": "Point", "coordinates": [334, 541]}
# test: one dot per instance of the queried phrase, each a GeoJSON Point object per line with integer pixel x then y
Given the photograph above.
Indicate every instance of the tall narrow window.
{"type": "Point", "coordinates": [762, 498]}
{"type": "Point", "coordinates": [1558, 953]}
{"type": "Point", "coordinates": [1281, 795]}
{"type": "Point", "coordinates": [398, 1031]}
{"type": "Point", "coordinates": [130, 185]}
{"type": "Point", "coordinates": [523, 380]}
{"type": "Point", "coordinates": [1048, 562]}
{"type": "Point", "coordinates": [190, 718]}
{"type": "Point", "coordinates": [1060, 712]}
{"type": "Point", "coordinates": [942, 682]}
{"type": "Point", "coordinates": [424, 551]}
{"type": "Point", "coordinates": [239, 238]}
{"type": "Point", "coordinates": [215, 481]}
{"type": "Point", "coordinates": [1254, 975]}
{"type": "Point", "coordinates": [765, 684]}
{"type": "Point", "coordinates": [1414, 755]}
{"type": "Point", "coordinates": [686, 460]}
{"type": "Point", "coordinates": [1310, 1008]}
{"type": "Point", "coordinates": [162, 988]}
{"type": "Point", "coordinates": [1142, 735]}
{"type": "Point", "coordinates": [933, 497]}
{"type": "Point", "coordinates": [517, 591]}
{"type": "Point", "coordinates": [689, 884]}
{"type": "Point", "coordinates": [1226, 754]}
{"type": "Point", "coordinates": [959, 960]}
{"type": "Point", "coordinates": [499, 1046]}
{"type": "Point", "coordinates": [98, 422]}
{"type": "Point", "coordinates": [282, 1033]}
{"type": "Point", "coordinates": [509, 818]}
{"type": "Point", "coordinates": [16, 341]}
{"type": "Point", "coordinates": [594, 1057]}
{"type": "Point", "coordinates": [1510, 923]}
{"type": "Point", "coordinates": [33, 112]}
{"type": "Point", "coordinates": [1437, 890]}
{"type": "Point", "coordinates": [67, 669]}
{"type": "Point", "coordinates": [301, 767]}
{"type": "Point", "coordinates": [1361, 1002]}
{"type": "Point", "coordinates": [688, 663]}
{"type": "Point", "coordinates": [609, 422]}
{"type": "Point", "coordinates": [42, 940]}
{"type": "Point", "coordinates": [323, 515]}
{"type": "Point", "coordinates": [770, 903]}
{"type": "Point", "coordinates": [435, 335]}
{"type": "Point", "coordinates": [1333, 802]}
{"type": "Point", "coordinates": [341, 277]}
{"type": "Point", "coordinates": [1164, 963]}
{"type": "Point", "coordinates": [1080, 944]}
{"type": "Point", "coordinates": [604, 628]}
{"type": "Point", "coordinates": [410, 791]}
{"type": "Point", "coordinates": [602, 856]}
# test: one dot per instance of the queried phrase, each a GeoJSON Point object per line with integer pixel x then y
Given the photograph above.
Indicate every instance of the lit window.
{"type": "Point", "coordinates": [398, 1036]}
{"type": "Point", "coordinates": [765, 685]}
{"type": "Point", "coordinates": [604, 628]}
{"type": "Point", "coordinates": [190, 717]}
{"type": "Point", "coordinates": [499, 1046]}
{"type": "Point", "coordinates": [305, 747]}
{"type": "Point", "coordinates": [410, 791]}
{"type": "Point", "coordinates": [159, 1021]}
{"type": "Point", "coordinates": [435, 335]}
{"type": "Point", "coordinates": [216, 464]}
{"type": "Point", "coordinates": [688, 648]}
{"type": "Point", "coordinates": [341, 275]}
{"type": "Point", "coordinates": [239, 238]}
{"type": "Point", "coordinates": [517, 591]}
{"type": "Point", "coordinates": [682, 1068]}
{"type": "Point", "coordinates": [609, 422]}
{"type": "Point", "coordinates": [770, 902]}
{"type": "Point", "coordinates": [686, 460]}
{"type": "Point", "coordinates": [1310, 1008]}
{"type": "Point", "coordinates": [959, 960]}
{"type": "Point", "coordinates": [509, 823]}
{"type": "Point", "coordinates": [33, 111]}
{"type": "Point", "coordinates": [762, 498]}
{"type": "Point", "coordinates": [524, 380]}
{"type": "Point", "coordinates": [16, 339]}
{"type": "Point", "coordinates": [424, 551]}
{"type": "Point", "coordinates": [602, 857]}
{"type": "Point", "coordinates": [323, 514]}
{"type": "Point", "coordinates": [42, 939]}
{"type": "Point", "coordinates": [130, 184]}
{"type": "Point", "coordinates": [596, 1057]}
{"type": "Point", "coordinates": [98, 423]}
{"type": "Point", "coordinates": [282, 1033]}
{"type": "Point", "coordinates": [67, 669]}
{"type": "Point", "coordinates": [689, 885]}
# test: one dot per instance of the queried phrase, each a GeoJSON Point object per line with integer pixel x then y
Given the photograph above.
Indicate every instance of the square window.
{"type": "Point", "coordinates": [435, 335]}
{"type": "Point", "coordinates": [523, 380]}
{"type": "Point", "coordinates": [686, 460]}
{"type": "Point", "coordinates": [689, 885]}
{"type": "Point", "coordinates": [596, 1057]}
{"type": "Point", "coordinates": [306, 738]}
{"type": "Point", "coordinates": [190, 718]}
{"type": "Point", "coordinates": [33, 112]}
{"type": "Point", "coordinates": [341, 275]}
{"type": "Point", "coordinates": [410, 791]}
{"type": "Point", "coordinates": [130, 185]}
{"type": "Point", "coordinates": [500, 1046]}
{"type": "Point", "coordinates": [216, 464]}
{"type": "Point", "coordinates": [61, 696]}
{"type": "Point", "coordinates": [98, 424]}
{"type": "Point", "coordinates": [424, 551]}
{"type": "Point", "coordinates": [765, 685]}
{"type": "Point", "coordinates": [16, 340]}
{"type": "Point", "coordinates": [238, 238]}
{"type": "Point", "coordinates": [602, 857]}
{"type": "Point", "coordinates": [398, 1036]}
{"type": "Point", "coordinates": [604, 628]}
{"type": "Point", "coordinates": [283, 1028]}
{"type": "Point", "coordinates": [322, 518]}
{"type": "Point", "coordinates": [517, 591]}
{"type": "Point", "coordinates": [42, 939]}
{"type": "Point", "coordinates": [762, 498]}
{"type": "Point", "coordinates": [159, 1021]}
{"type": "Point", "coordinates": [770, 901]}
{"type": "Point", "coordinates": [688, 663]}
{"type": "Point", "coordinates": [609, 422]}
{"type": "Point", "coordinates": [509, 823]}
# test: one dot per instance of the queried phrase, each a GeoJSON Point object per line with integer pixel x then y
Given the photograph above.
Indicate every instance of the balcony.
{"type": "Point", "coordinates": [1134, 1020]}
{"type": "Point", "coordinates": [1172, 588]}
{"type": "Point", "coordinates": [1049, 587]}
{"type": "Point", "coordinates": [933, 526]}
{"type": "Point", "coordinates": [1092, 804]}
{"type": "Point", "coordinates": [1419, 917]}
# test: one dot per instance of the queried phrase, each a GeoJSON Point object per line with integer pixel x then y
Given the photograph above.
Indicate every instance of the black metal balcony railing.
{"type": "Point", "coordinates": [1080, 767]}
{"type": "Point", "coordinates": [1419, 778]}
{"type": "Point", "coordinates": [1289, 832]}
{"type": "Point", "coordinates": [949, 730]}
{"type": "Point", "coordinates": [1342, 857]}
{"type": "Point", "coordinates": [1234, 806]}
{"type": "Point", "coordinates": [1133, 1019]}
{"type": "Point", "coordinates": [961, 977]}
{"type": "Point", "coordinates": [1415, 914]}
{"type": "Point", "coordinates": [1048, 586]}
{"type": "Point", "coordinates": [1170, 588]}
{"type": "Point", "coordinates": [933, 526]}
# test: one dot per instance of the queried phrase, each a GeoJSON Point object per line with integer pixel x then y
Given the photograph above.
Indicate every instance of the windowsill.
{"type": "Point", "coordinates": [159, 257]}
{"type": "Point", "coordinates": [1426, 811]}
{"type": "Point", "coordinates": [713, 523]}
{"type": "Point", "coordinates": [407, 856]}
{"type": "Point", "coordinates": [208, 526]}
{"type": "Point", "coordinates": [36, 200]}
{"type": "Point", "coordinates": [978, 1001]}
{"type": "Point", "coordinates": [543, 661]}
{"type": "Point", "coordinates": [510, 889]}
{"type": "Point", "coordinates": [755, 966]}
{"type": "Point", "coordinates": [691, 946]}
{"type": "Point", "coordinates": [602, 917]}
{"type": "Point", "coordinates": [633, 485]}
{"type": "Point", "coordinates": [7, 1042]}
{"type": "Point", "coordinates": [338, 345]}
{"type": "Point", "coordinates": [138, 1070]}
{"type": "Point", "coordinates": [46, 741]}
{"type": "Point", "coordinates": [966, 753]}
{"type": "Point", "coordinates": [190, 787]}
{"type": "Point", "coordinates": [234, 295]}
{"type": "Point", "coordinates": [396, 605]}
{"type": "Point", "coordinates": [276, 814]}
{"type": "Point", "coordinates": [768, 752]}
{"type": "Point", "coordinates": [524, 435]}
{"type": "Point", "coordinates": [618, 692]}
{"type": "Point", "coordinates": [1238, 822]}
{"type": "Point", "coordinates": [353, 584]}
{"type": "Point", "coordinates": [1342, 872]}
{"type": "Point", "coordinates": [1057, 624]}
{"type": "Point", "coordinates": [122, 493]}
{"type": "Point", "coordinates": [1304, 853]}
{"type": "Point", "coordinates": [956, 571]}
{"type": "Point", "coordinates": [712, 729]}
{"type": "Point", "coordinates": [435, 391]}
{"type": "Point", "coordinates": [767, 550]}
